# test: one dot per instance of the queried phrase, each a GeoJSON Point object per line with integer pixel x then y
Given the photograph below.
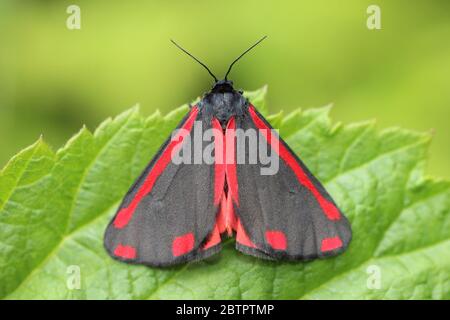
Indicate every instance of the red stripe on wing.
{"type": "Point", "coordinates": [213, 239]}
{"type": "Point", "coordinates": [242, 236]}
{"type": "Point", "coordinates": [230, 136]}
{"type": "Point", "coordinates": [219, 184]}
{"type": "Point", "coordinates": [219, 158]}
{"type": "Point", "coordinates": [124, 216]}
{"type": "Point", "coordinates": [328, 208]}
{"type": "Point", "coordinates": [234, 222]}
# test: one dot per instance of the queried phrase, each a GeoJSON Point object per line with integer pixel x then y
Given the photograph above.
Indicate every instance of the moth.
{"type": "Point", "coordinates": [179, 211]}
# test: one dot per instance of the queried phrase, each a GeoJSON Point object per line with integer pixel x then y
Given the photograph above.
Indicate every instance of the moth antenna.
{"type": "Point", "coordinates": [190, 55]}
{"type": "Point", "coordinates": [231, 65]}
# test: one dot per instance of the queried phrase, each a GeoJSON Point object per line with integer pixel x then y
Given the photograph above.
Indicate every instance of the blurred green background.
{"type": "Point", "coordinates": [54, 80]}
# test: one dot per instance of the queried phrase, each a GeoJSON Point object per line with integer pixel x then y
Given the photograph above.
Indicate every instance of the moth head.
{"type": "Point", "coordinates": [223, 86]}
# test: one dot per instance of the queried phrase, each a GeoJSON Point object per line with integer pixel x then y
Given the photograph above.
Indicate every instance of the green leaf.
{"type": "Point", "coordinates": [258, 99]}
{"type": "Point", "coordinates": [55, 207]}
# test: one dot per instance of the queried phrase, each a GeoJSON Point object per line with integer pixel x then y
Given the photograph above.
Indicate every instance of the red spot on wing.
{"type": "Point", "coordinates": [126, 252]}
{"type": "Point", "coordinates": [328, 208]}
{"type": "Point", "coordinates": [183, 244]}
{"type": "Point", "coordinates": [276, 239]}
{"type": "Point", "coordinates": [329, 244]}
{"type": "Point", "coordinates": [124, 216]}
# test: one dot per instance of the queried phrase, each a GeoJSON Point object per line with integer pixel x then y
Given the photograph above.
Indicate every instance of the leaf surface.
{"type": "Point", "coordinates": [54, 207]}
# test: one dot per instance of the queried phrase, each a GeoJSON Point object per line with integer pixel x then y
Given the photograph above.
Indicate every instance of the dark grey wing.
{"type": "Point", "coordinates": [285, 213]}
{"type": "Point", "coordinates": [168, 215]}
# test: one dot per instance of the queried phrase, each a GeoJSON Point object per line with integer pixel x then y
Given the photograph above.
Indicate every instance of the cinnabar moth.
{"type": "Point", "coordinates": [176, 213]}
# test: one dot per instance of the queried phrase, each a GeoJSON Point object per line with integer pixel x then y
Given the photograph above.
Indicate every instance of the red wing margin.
{"type": "Point", "coordinates": [169, 215]}
{"type": "Point", "coordinates": [286, 215]}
